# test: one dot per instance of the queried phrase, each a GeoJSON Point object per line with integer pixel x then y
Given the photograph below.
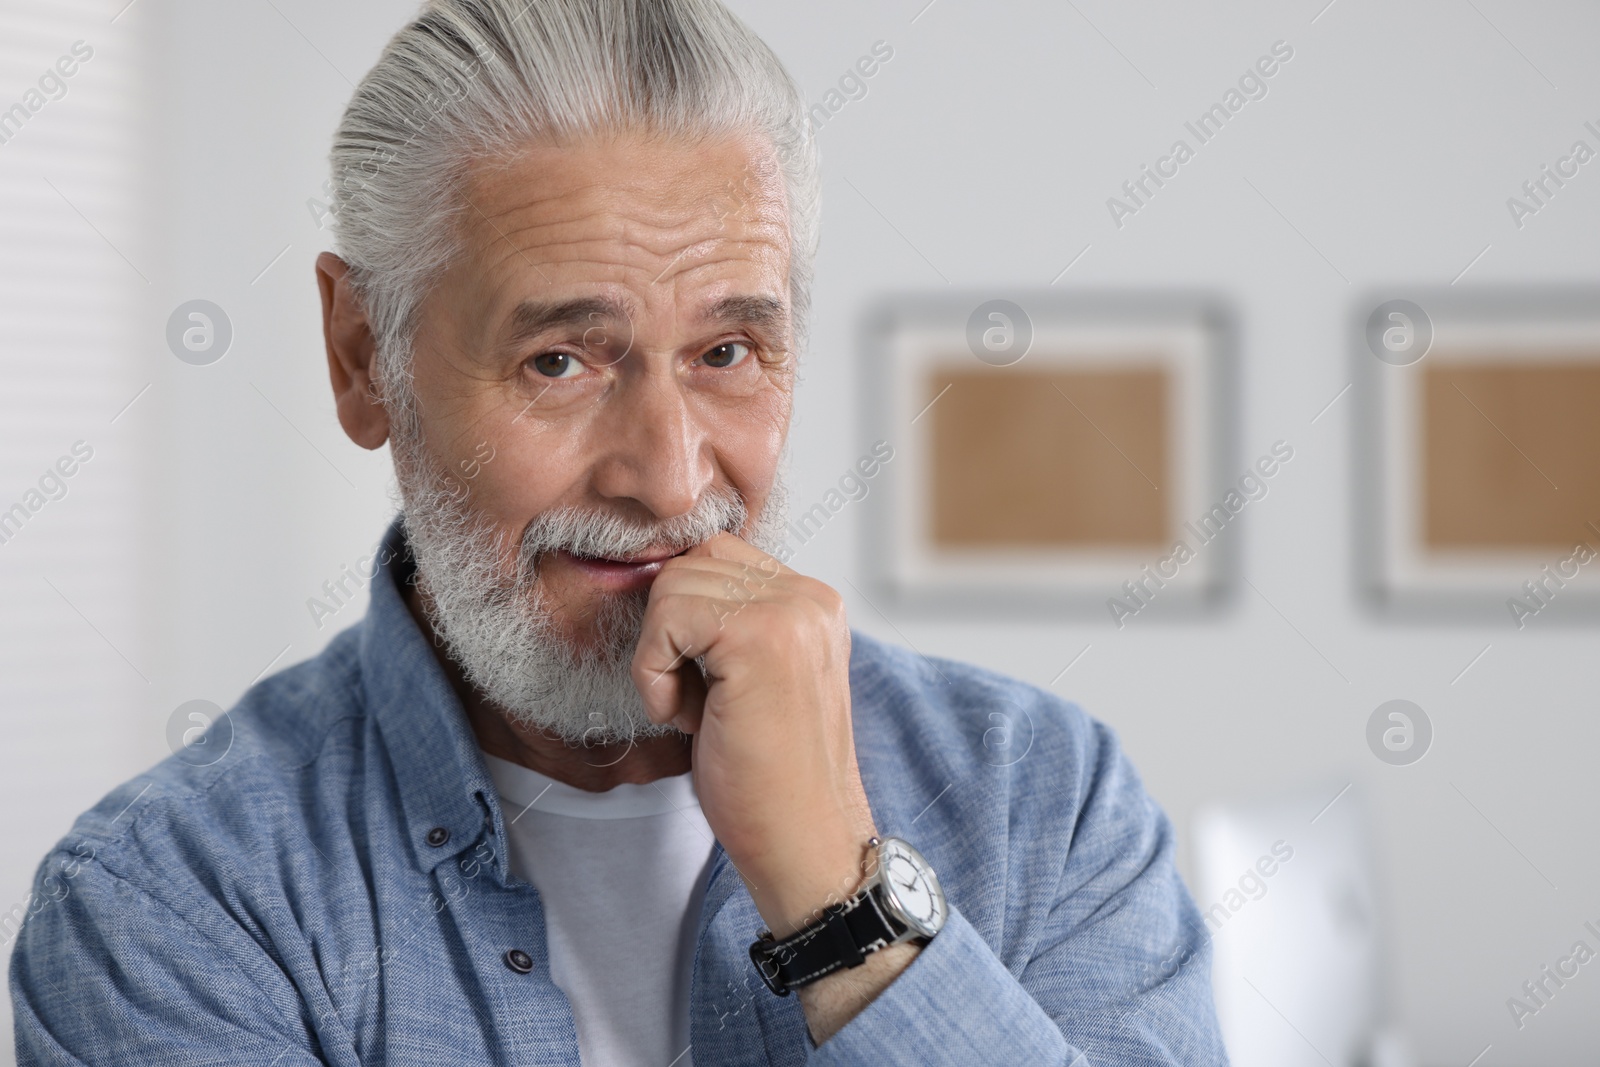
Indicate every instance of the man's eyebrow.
{"type": "Point", "coordinates": [762, 312]}
{"type": "Point", "coordinates": [531, 318]}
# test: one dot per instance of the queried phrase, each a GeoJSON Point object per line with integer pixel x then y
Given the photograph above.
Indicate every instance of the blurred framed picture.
{"type": "Point", "coordinates": [1479, 454]}
{"type": "Point", "coordinates": [1052, 451]}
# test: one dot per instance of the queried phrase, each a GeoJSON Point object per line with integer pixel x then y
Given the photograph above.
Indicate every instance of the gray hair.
{"type": "Point", "coordinates": [474, 78]}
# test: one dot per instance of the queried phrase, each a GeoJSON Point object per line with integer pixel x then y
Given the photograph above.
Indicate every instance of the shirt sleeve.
{"type": "Point", "coordinates": [105, 973]}
{"type": "Point", "coordinates": [1119, 973]}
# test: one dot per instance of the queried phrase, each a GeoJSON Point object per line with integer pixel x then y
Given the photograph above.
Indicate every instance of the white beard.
{"type": "Point", "coordinates": [483, 600]}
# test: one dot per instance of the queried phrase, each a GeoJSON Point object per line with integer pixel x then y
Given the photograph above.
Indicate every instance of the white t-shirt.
{"type": "Point", "coordinates": [621, 875]}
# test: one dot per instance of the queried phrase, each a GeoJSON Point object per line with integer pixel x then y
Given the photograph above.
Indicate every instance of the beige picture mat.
{"type": "Point", "coordinates": [1050, 456]}
{"type": "Point", "coordinates": [1510, 450]}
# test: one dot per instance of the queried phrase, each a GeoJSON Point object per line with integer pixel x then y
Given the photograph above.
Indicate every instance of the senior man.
{"type": "Point", "coordinates": [599, 779]}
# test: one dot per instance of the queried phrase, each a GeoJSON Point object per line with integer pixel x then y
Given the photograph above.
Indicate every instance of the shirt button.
{"type": "Point", "coordinates": [438, 836]}
{"type": "Point", "coordinates": [519, 961]}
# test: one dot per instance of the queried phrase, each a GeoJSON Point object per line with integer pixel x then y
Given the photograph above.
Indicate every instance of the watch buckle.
{"type": "Point", "coordinates": [764, 964]}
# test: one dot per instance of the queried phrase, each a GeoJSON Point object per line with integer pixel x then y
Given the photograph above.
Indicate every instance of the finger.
{"type": "Point", "coordinates": [662, 686]}
{"type": "Point", "coordinates": [660, 690]}
{"type": "Point", "coordinates": [729, 547]}
{"type": "Point", "coordinates": [717, 578]}
{"type": "Point", "coordinates": [743, 582]}
{"type": "Point", "coordinates": [676, 630]}
{"type": "Point", "coordinates": [692, 691]}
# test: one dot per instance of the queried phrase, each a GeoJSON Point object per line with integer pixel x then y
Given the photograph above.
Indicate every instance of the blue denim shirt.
{"type": "Point", "coordinates": [334, 889]}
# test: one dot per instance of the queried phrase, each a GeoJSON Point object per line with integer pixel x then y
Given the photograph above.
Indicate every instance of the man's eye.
{"type": "Point", "coordinates": [728, 354]}
{"type": "Point", "coordinates": [556, 364]}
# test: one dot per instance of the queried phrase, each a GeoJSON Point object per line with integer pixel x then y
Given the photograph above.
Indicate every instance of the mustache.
{"type": "Point", "coordinates": [601, 534]}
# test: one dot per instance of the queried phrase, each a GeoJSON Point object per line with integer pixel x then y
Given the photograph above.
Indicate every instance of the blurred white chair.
{"type": "Point", "coordinates": [1287, 892]}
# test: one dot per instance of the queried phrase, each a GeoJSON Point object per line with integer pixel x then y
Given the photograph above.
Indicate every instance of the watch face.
{"type": "Point", "coordinates": [911, 889]}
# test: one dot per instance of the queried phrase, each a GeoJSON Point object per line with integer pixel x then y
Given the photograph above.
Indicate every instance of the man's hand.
{"type": "Point", "coordinates": [774, 757]}
{"type": "Point", "coordinates": [773, 753]}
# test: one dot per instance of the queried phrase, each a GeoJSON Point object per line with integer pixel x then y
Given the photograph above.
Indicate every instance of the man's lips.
{"type": "Point", "coordinates": [616, 575]}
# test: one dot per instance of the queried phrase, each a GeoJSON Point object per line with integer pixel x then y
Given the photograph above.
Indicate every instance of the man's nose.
{"type": "Point", "coordinates": [655, 447]}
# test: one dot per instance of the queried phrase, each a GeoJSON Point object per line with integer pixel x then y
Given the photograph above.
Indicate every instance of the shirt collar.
{"type": "Point", "coordinates": [439, 772]}
{"type": "Point", "coordinates": [522, 787]}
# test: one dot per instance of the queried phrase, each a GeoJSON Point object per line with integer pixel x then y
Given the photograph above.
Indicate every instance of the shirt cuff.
{"type": "Point", "coordinates": [954, 1005]}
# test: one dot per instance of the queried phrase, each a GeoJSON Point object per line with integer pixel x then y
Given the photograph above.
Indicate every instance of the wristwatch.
{"type": "Point", "coordinates": [901, 901]}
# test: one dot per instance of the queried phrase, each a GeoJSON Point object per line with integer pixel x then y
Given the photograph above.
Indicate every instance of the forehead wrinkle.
{"type": "Point", "coordinates": [623, 248]}
{"type": "Point", "coordinates": [673, 242]}
{"type": "Point", "coordinates": [635, 215]}
{"type": "Point", "coordinates": [711, 252]}
{"type": "Point", "coordinates": [689, 266]}
{"type": "Point", "coordinates": [663, 200]}
{"type": "Point", "coordinates": [631, 226]}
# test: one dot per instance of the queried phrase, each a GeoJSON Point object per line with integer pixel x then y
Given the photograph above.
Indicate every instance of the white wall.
{"type": "Point", "coordinates": [76, 668]}
{"type": "Point", "coordinates": [990, 143]}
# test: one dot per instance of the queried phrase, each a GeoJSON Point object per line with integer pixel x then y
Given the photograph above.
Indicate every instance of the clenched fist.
{"type": "Point", "coordinates": [753, 659]}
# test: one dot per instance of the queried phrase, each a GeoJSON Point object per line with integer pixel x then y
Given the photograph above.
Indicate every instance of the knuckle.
{"type": "Point", "coordinates": [824, 597]}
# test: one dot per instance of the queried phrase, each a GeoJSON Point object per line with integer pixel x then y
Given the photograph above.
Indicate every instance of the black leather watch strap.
{"type": "Point", "coordinates": [842, 938]}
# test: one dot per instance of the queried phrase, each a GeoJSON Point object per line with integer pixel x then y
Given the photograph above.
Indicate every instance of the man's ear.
{"type": "Point", "coordinates": [352, 355]}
